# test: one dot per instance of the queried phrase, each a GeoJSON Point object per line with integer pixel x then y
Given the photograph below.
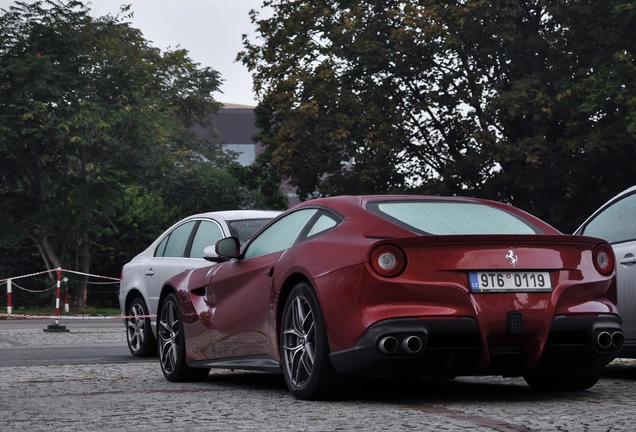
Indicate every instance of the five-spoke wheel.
{"type": "Point", "coordinates": [171, 344]}
{"type": "Point", "coordinates": [304, 347]}
{"type": "Point", "coordinates": [141, 341]}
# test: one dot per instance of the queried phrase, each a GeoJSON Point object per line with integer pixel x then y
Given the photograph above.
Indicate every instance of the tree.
{"type": "Point", "coordinates": [560, 105]}
{"type": "Point", "coordinates": [517, 101]}
{"type": "Point", "coordinates": [258, 189]}
{"type": "Point", "coordinates": [217, 189]}
{"type": "Point", "coordinates": [88, 108]}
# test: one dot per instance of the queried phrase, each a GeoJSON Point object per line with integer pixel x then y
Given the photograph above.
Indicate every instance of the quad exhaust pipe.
{"type": "Point", "coordinates": [606, 340]}
{"type": "Point", "coordinates": [390, 345]}
{"type": "Point", "coordinates": [412, 344]}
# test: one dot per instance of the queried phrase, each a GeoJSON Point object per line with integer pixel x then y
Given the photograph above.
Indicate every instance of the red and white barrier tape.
{"type": "Point", "coordinates": [27, 275]}
{"type": "Point", "coordinates": [59, 270]}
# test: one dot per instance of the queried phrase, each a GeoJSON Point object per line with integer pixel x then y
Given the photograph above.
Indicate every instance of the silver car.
{"type": "Point", "coordinates": [613, 222]}
{"type": "Point", "coordinates": [179, 248]}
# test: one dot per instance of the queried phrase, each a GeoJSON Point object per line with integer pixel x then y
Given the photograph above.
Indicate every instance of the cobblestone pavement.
{"type": "Point", "coordinates": [91, 334]}
{"type": "Point", "coordinates": [134, 396]}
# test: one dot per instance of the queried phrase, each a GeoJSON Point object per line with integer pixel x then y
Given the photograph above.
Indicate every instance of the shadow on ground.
{"type": "Point", "coordinates": [458, 390]}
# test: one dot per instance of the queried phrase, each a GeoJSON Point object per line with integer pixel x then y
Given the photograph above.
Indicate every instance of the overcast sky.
{"type": "Point", "coordinates": [209, 29]}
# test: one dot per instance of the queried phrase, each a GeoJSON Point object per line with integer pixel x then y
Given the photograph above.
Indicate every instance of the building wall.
{"type": "Point", "coordinates": [236, 127]}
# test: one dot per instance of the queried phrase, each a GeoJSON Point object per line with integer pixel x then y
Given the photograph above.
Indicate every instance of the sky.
{"type": "Point", "coordinates": [210, 30]}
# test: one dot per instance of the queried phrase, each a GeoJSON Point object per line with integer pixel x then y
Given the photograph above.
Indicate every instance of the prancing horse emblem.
{"type": "Point", "coordinates": [510, 256]}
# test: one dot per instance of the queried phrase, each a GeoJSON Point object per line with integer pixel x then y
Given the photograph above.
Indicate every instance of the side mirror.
{"type": "Point", "coordinates": [209, 254]}
{"type": "Point", "coordinates": [229, 247]}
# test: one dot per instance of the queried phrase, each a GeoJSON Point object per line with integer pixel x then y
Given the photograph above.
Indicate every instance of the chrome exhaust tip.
{"type": "Point", "coordinates": [618, 338]}
{"type": "Point", "coordinates": [604, 340]}
{"type": "Point", "coordinates": [412, 344]}
{"type": "Point", "coordinates": [388, 345]}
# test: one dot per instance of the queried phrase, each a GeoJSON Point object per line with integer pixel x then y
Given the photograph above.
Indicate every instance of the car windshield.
{"type": "Point", "coordinates": [244, 229]}
{"type": "Point", "coordinates": [447, 217]}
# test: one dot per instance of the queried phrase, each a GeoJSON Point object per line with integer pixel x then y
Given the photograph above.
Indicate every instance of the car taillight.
{"type": "Point", "coordinates": [604, 261]}
{"type": "Point", "coordinates": [388, 260]}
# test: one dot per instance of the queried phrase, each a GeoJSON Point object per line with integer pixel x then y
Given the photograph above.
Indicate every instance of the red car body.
{"type": "Point", "coordinates": [392, 299]}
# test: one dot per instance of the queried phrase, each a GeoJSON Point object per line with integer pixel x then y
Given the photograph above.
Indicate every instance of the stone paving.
{"type": "Point", "coordinates": [135, 396]}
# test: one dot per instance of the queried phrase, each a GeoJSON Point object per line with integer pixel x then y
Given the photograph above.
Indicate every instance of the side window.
{"type": "Point", "coordinates": [245, 229]}
{"type": "Point", "coordinates": [208, 233]}
{"type": "Point", "coordinates": [280, 235]}
{"type": "Point", "coordinates": [176, 241]}
{"type": "Point", "coordinates": [323, 223]}
{"type": "Point", "coordinates": [161, 249]}
{"type": "Point", "coordinates": [612, 224]}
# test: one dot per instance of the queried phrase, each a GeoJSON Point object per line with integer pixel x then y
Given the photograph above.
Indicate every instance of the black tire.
{"type": "Point", "coordinates": [304, 348]}
{"type": "Point", "coordinates": [171, 344]}
{"type": "Point", "coordinates": [563, 382]}
{"type": "Point", "coordinates": [141, 341]}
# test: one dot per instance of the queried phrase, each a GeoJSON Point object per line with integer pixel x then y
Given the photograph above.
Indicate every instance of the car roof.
{"type": "Point", "coordinates": [347, 201]}
{"type": "Point", "coordinates": [391, 197]}
{"type": "Point", "coordinates": [354, 204]}
{"type": "Point", "coordinates": [236, 214]}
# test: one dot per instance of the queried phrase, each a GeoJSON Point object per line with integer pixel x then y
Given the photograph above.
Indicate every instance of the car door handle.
{"type": "Point", "coordinates": [628, 260]}
{"type": "Point", "coordinates": [270, 272]}
{"type": "Point", "coordinates": [150, 272]}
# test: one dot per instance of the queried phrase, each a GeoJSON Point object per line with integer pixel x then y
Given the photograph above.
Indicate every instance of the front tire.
{"type": "Point", "coordinates": [563, 382]}
{"type": "Point", "coordinates": [171, 344]}
{"type": "Point", "coordinates": [304, 347]}
{"type": "Point", "coordinates": [141, 341]}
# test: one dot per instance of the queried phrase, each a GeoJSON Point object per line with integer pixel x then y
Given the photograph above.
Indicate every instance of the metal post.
{"type": "Point", "coordinates": [66, 305]}
{"type": "Point", "coordinates": [57, 327]}
{"type": "Point", "coordinates": [9, 299]}
{"type": "Point", "coordinates": [57, 296]}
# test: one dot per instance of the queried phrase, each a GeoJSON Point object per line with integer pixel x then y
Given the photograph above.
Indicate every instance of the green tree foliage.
{"type": "Point", "coordinates": [258, 188]}
{"type": "Point", "coordinates": [87, 109]}
{"type": "Point", "coordinates": [529, 102]}
{"type": "Point", "coordinates": [136, 217]}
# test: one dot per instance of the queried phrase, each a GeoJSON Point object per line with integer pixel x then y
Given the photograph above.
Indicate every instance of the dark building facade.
{"type": "Point", "coordinates": [236, 127]}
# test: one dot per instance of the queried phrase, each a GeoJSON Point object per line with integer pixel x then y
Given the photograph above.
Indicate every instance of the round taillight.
{"type": "Point", "coordinates": [604, 261]}
{"type": "Point", "coordinates": [388, 260]}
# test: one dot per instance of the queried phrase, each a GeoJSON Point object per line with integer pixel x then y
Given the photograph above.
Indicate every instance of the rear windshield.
{"type": "Point", "coordinates": [444, 217]}
{"type": "Point", "coordinates": [244, 229]}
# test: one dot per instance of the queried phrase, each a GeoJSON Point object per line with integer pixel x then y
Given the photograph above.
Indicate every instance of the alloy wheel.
{"type": "Point", "coordinates": [136, 327]}
{"type": "Point", "coordinates": [168, 332]}
{"type": "Point", "coordinates": [299, 341]}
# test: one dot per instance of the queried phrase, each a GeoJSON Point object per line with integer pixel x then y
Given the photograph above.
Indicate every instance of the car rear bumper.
{"type": "Point", "coordinates": [452, 347]}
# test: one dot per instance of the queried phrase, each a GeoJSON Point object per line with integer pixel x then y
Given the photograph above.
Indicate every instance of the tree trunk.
{"type": "Point", "coordinates": [85, 265]}
{"type": "Point", "coordinates": [51, 261]}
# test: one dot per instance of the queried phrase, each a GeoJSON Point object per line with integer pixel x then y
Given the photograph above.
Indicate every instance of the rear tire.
{"type": "Point", "coordinates": [563, 382]}
{"type": "Point", "coordinates": [171, 344]}
{"type": "Point", "coordinates": [141, 341]}
{"type": "Point", "coordinates": [304, 348]}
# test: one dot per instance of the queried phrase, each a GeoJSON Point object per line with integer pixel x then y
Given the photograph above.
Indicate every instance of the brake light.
{"type": "Point", "coordinates": [388, 260]}
{"type": "Point", "coordinates": [604, 260]}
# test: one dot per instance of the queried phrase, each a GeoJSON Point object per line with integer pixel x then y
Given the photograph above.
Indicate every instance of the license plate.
{"type": "Point", "coordinates": [484, 282]}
